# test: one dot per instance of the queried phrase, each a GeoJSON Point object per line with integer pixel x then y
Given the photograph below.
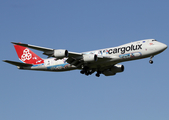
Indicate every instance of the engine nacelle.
{"type": "Point", "coordinates": [60, 53]}
{"type": "Point", "coordinates": [115, 69]}
{"type": "Point", "coordinates": [89, 58]}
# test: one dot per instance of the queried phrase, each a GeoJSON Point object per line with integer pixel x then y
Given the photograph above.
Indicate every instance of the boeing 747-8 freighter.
{"type": "Point", "coordinates": [103, 61]}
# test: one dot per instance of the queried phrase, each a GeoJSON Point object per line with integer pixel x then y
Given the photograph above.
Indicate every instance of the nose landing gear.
{"type": "Point", "coordinates": [151, 61]}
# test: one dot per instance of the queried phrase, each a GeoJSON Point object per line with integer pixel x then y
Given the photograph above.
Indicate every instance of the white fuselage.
{"type": "Point", "coordinates": [131, 51]}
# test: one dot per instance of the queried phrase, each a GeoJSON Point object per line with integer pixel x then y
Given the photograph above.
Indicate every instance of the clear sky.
{"type": "Point", "coordinates": [141, 92]}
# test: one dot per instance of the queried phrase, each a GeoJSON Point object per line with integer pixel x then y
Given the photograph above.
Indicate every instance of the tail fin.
{"type": "Point", "coordinates": [27, 56]}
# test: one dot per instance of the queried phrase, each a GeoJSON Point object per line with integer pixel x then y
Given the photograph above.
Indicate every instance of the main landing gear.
{"type": "Point", "coordinates": [86, 71]}
{"type": "Point", "coordinates": [151, 61]}
{"type": "Point", "coordinates": [98, 74]}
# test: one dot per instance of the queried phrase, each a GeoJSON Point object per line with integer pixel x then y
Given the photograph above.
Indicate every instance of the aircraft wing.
{"type": "Point", "coordinates": [78, 60]}
{"type": "Point", "coordinates": [47, 51]}
{"type": "Point", "coordinates": [74, 58]}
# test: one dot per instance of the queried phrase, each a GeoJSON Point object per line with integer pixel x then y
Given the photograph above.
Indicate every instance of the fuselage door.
{"type": "Point", "coordinates": [48, 62]}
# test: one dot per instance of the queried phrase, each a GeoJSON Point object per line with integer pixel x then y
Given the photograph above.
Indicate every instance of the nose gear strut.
{"type": "Point", "coordinates": [151, 61]}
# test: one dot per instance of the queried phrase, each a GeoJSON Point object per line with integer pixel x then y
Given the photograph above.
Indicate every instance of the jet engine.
{"type": "Point", "coordinates": [90, 58]}
{"type": "Point", "coordinates": [113, 70]}
{"type": "Point", "coordinates": [60, 53]}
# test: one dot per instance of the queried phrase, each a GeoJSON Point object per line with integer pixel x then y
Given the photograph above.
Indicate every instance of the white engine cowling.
{"type": "Point", "coordinates": [60, 53]}
{"type": "Point", "coordinates": [115, 69]}
{"type": "Point", "coordinates": [90, 58]}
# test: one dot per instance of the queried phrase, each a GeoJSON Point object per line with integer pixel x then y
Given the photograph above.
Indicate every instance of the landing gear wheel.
{"type": "Point", "coordinates": [97, 75]}
{"type": "Point", "coordinates": [90, 73]}
{"type": "Point", "coordinates": [151, 62]}
{"type": "Point", "coordinates": [87, 73]}
{"type": "Point", "coordinates": [82, 72]}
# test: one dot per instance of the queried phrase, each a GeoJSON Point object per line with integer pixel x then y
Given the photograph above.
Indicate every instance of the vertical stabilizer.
{"type": "Point", "coordinates": [27, 56]}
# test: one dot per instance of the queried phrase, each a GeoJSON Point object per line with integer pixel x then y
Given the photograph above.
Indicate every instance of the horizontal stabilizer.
{"type": "Point", "coordinates": [18, 63]}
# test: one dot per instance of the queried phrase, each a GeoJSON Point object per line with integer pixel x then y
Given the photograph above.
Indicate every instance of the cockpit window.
{"type": "Point", "coordinates": [154, 40]}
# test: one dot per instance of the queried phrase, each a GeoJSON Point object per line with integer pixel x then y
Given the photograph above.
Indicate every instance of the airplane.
{"type": "Point", "coordinates": [103, 61]}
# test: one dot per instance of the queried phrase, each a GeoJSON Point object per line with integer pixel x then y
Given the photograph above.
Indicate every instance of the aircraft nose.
{"type": "Point", "coordinates": [164, 46]}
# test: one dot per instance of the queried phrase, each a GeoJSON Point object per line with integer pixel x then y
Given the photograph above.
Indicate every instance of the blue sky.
{"type": "Point", "coordinates": [141, 92]}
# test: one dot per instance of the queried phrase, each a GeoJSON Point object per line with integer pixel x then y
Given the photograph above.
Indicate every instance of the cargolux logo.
{"type": "Point", "coordinates": [26, 55]}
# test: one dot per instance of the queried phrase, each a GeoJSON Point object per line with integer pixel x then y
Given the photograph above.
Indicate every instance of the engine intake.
{"type": "Point", "coordinates": [60, 53]}
{"type": "Point", "coordinates": [90, 58]}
